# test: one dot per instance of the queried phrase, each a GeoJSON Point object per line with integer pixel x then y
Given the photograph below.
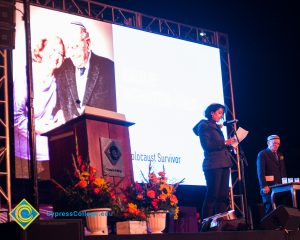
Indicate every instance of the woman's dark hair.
{"type": "Point", "coordinates": [213, 108]}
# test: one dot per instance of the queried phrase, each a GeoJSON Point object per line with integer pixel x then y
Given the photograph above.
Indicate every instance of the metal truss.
{"type": "Point", "coordinates": [238, 196]}
{"type": "Point", "coordinates": [106, 13]}
{"type": "Point", "coordinates": [5, 184]}
{"type": "Point", "coordinates": [116, 15]}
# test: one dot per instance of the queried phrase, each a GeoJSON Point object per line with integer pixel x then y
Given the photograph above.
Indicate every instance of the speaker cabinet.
{"type": "Point", "coordinates": [56, 229]}
{"type": "Point", "coordinates": [282, 217]}
{"type": "Point", "coordinates": [7, 24]}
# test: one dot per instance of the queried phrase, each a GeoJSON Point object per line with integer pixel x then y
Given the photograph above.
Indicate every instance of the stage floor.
{"type": "Point", "coordinates": [230, 235]}
{"type": "Point", "coordinates": [63, 229]}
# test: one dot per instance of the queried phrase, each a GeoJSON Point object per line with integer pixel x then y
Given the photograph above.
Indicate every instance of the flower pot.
{"type": "Point", "coordinates": [96, 221]}
{"type": "Point", "coordinates": [131, 227]}
{"type": "Point", "coordinates": [156, 221]}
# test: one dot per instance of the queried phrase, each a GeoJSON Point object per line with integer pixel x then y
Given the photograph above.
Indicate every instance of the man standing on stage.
{"type": "Point", "coordinates": [270, 169]}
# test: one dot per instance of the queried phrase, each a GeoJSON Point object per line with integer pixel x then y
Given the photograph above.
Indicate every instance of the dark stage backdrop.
{"type": "Point", "coordinates": [264, 50]}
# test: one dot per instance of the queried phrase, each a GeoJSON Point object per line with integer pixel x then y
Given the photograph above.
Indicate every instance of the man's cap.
{"type": "Point", "coordinates": [271, 137]}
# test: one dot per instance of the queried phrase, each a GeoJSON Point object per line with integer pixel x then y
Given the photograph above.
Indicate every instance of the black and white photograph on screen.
{"type": "Point", "coordinates": [62, 45]}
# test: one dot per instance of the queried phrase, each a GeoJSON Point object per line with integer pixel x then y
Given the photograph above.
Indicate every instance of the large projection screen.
{"type": "Point", "coordinates": [162, 84]}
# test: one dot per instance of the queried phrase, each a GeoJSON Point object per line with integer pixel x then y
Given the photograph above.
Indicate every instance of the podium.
{"type": "Point", "coordinates": [287, 187]}
{"type": "Point", "coordinates": [102, 138]}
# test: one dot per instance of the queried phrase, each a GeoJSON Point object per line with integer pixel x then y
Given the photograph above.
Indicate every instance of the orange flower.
{"type": "Point", "coordinates": [84, 176]}
{"type": "Point", "coordinates": [163, 180]}
{"type": "Point", "coordinates": [153, 178]}
{"type": "Point", "coordinates": [139, 196]}
{"type": "Point", "coordinates": [162, 197]}
{"type": "Point", "coordinates": [173, 200]}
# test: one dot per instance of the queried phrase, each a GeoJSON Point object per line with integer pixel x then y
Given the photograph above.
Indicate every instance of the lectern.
{"type": "Point", "coordinates": [102, 138]}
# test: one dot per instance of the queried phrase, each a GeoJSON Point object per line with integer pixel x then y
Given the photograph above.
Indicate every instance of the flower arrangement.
{"type": "Point", "coordinates": [153, 195]}
{"type": "Point", "coordinates": [132, 212]}
{"type": "Point", "coordinates": [86, 190]}
{"type": "Point", "coordinates": [129, 206]}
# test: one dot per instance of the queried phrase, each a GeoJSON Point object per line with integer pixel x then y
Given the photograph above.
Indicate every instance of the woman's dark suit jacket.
{"type": "Point", "coordinates": [212, 140]}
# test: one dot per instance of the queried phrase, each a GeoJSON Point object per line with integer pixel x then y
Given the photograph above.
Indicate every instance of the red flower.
{"type": "Point", "coordinates": [91, 177]}
{"type": "Point", "coordinates": [96, 190]}
{"type": "Point", "coordinates": [151, 194]}
{"type": "Point", "coordinates": [153, 178]}
{"type": "Point", "coordinates": [81, 184]}
{"type": "Point", "coordinates": [138, 187]}
{"type": "Point", "coordinates": [154, 203]}
{"type": "Point", "coordinates": [79, 159]}
{"type": "Point", "coordinates": [92, 170]}
{"type": "Point", "coordinates": [112, 195]}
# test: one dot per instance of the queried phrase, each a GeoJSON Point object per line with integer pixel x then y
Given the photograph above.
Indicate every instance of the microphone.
{"type": "Point", "coordinates": [227, 123]}
{"type": "Point", "coordinates": [78, 101]}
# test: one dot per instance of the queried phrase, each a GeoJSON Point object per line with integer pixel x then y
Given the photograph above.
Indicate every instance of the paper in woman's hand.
{"type": "Point", "coordinates": [240, 134]}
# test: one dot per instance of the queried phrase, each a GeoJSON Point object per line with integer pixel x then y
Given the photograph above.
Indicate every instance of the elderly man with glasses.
{"type": "Point", "coordinates": [84, 79]}
{"type": "Point", "coordinates": [270, 169]}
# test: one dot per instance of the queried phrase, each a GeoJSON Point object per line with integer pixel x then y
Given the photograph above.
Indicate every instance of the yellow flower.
{"type": "Point", "coordinates": [163, 180]}
{"type": "Point", "coordinates": [132, 206]}
{"type": "Point", "coordinates": [166, 189]}
{"type": "Point", "coordinates": [176, 212]}
{"type": "Point", "coordinates": [100, 182]}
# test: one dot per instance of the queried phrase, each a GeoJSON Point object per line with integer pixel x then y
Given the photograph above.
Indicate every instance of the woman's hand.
{"type": "Point", "coordinates": [229, 141]}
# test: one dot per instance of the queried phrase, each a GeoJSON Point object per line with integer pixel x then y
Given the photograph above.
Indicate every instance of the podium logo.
{"type": "Point", "coordinates": [113, 153]}
{"type": "Point", "coordinates": [24, 214]}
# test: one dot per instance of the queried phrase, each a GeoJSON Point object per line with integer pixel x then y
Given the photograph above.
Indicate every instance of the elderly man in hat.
{"type": "Point", "coordinates": [270, 169]}
{"type": "Point", "coordinates": [84, 79]}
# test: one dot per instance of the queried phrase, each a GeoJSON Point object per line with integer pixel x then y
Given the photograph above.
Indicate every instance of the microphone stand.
{"type": "Point", "coordinates": [240, 161]}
